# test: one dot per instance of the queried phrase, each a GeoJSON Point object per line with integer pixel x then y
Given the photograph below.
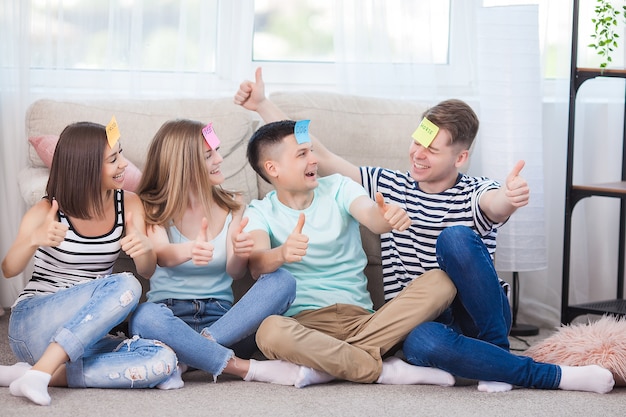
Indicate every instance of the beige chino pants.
{"type": "Point", "coordinates": [347, 341]}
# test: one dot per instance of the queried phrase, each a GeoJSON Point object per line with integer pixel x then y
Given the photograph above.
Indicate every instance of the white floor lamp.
{"type": "Point", "coordinates": [511, 129]}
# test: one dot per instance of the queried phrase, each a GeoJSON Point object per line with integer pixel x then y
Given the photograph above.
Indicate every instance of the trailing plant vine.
{"type": "Point", "coordinates": [605, 25]}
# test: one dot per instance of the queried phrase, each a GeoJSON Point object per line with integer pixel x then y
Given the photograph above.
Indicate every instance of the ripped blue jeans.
{"type": "Point", "coordinates": [79, 319]}
{"type": "Point", "coordinates": [207, 333]}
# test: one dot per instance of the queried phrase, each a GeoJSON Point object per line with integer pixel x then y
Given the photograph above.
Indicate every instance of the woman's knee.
{"type": "Point", "coordinates": [282, 282]}
{"type": "Point", "coordinates": [148, 318]}
{"type": "Point", "coordinates": [128, 289]}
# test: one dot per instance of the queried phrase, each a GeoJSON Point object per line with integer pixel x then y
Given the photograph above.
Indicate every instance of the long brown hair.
{"type": "Point", "coordinates": [75, 179]}
{"type": "Point", "coordinates": [175, 169]}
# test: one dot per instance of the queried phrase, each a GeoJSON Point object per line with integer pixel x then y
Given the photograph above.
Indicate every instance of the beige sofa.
{"type": "Point", "coordinates": [366, 131]}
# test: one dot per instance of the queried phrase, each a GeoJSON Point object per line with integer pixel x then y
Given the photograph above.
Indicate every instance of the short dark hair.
{"type": "Point", "coordinates": [75, 179]}
{"type": "Point", "coordinates": [265, 137]}
{"type": "Point", "coordinates": [458, 118]}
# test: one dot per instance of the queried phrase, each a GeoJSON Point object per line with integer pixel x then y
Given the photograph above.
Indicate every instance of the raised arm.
{"type": "Point", "coordinates": [251, 96]}
{"type": "Point", "coordinates": [135, 242]}
{"type": "Point", "coordinates": [499, 204]}
{"type": "Point", "coordinates": [39, 227]}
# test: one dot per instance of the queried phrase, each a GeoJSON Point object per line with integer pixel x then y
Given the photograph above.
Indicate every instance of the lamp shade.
{"type": "Point", "coordinates": [511, 125]}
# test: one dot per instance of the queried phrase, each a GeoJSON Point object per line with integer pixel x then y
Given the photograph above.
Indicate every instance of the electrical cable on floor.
{"type": "Point", "coordinates": [519, 339]}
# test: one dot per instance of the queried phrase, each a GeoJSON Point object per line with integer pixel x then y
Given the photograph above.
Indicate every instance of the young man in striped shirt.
{"type": "Point", "coordinates": [454, 222]}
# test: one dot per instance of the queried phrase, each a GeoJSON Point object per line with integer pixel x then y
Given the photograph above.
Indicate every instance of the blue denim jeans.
{"type": "Point", "coordinates": [203, 333]}
{"type": "Point", "coordinates": [470, 339]}
{"type": "Point", "coordinates": [79, 319]}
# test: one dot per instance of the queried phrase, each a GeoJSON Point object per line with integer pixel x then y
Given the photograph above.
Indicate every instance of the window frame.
{"type": "Point", "coordinates": [235, 22]}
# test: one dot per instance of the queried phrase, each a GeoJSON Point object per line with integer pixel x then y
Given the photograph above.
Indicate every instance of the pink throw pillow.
{"type": "Point", "coordinates": [45, 144]}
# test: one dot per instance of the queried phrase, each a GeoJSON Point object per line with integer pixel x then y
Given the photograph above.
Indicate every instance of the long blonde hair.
{"type": "Point", "coordinates": [175, 169]}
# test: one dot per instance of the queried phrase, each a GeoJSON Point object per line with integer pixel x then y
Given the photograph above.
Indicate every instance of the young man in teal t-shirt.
{"type": "Point", "coordinates": [310, 226]}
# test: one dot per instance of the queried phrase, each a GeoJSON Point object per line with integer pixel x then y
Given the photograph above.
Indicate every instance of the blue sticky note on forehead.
{"type": "Point", "coordinates": [301, 130]}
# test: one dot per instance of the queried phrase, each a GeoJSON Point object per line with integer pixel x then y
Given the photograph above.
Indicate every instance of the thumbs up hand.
{"type": "Point", "coordinates": [51, 232]}
{"type": "Point", "coordinates": [242, 241]}
{"type": "Point", "coordinates": [294, 248]}
{"type": "Point", "coordinates": [395, 215]}
{"type": "Point", "coordinates": [135, 243]}
{"type": "Point", "coordinates": [516, 187]}
{"type": "Point", "coordinates": [202, 249]}
{"type": "Point", "coordinates": [251, 94]}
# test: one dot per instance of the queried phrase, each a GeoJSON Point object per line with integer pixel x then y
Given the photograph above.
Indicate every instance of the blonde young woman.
{"type": "Point", "coordinates": [196, 229]}
{"type": "Point", "coordinates": [60, 322]}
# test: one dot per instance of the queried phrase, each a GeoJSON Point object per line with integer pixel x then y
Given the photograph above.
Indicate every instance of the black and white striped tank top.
{"type": "Point", "coordinates": [78, 258]}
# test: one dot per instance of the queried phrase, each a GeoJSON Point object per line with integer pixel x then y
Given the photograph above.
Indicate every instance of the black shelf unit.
{"type": "Point", "coordinates": [576, 192]}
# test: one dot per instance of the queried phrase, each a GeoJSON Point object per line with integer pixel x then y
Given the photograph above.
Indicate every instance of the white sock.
{"type": "Point", "coordinates": [175, 381]}
{"type": "Point", "coordinates": [397, 372]}
{"type": "Point", "coordinates": [9, 374]}
{"type": "Point", "coordinates": [494, 386]}
{"type": "Point", "coordinates": [592, 378]}
{"type": "Point", "coordinates": [32, 385]}
{"type": "Point", "coordinates": [273, 371]}
{"type": "Point", "coordinates": [309, 376]}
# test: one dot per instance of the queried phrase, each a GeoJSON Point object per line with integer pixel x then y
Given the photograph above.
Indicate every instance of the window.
{"type": "Point", "coordinates": [159, 35]}
{"type": "Point", "coordinates": [179, 45]}
{"type": "Point", "coordinates": [314, 30]}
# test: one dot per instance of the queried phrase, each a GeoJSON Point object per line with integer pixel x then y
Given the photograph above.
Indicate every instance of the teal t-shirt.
{"type": "Point", "coordinates": [331, 272]}
{"type": "Point", "coordinates": [192, 282]}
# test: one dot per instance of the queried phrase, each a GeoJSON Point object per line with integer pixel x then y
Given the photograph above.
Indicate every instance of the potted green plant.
{"type": "Point", "coordinates": [606, 20]}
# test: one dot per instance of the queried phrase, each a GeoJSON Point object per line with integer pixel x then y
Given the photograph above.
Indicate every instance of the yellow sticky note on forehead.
{"type": "Point", "coordinates": [425, 132]}
{"type": "Point", "coordinates": [113, 132]}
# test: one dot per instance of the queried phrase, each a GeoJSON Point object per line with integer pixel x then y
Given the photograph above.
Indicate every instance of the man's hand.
{"type": "Point", "coordinates": [395, 215]}
{"type": "Point", "coordinates": [294, 248]}
{"type": "Point", "coordinates": [242, 241]}
{"type": "Point", "coordinates": [251, 94]}
{"type": "Point", "coordinates": [516, 188]}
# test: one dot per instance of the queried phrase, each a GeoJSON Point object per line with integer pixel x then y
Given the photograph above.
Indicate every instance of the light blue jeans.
{"type": "Point", "coordinates": [470, 339]}
{"type": "Point", "coordinates": [79, 319]}
{"type": "Point", "coordinates": [203, 333]}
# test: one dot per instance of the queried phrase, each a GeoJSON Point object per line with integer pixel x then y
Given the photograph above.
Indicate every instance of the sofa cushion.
{"type": "Point", "coordinates": [139, 120]}
{"type": "Point", "coordinates": [45, 145]}
{"type": "Point", "coordinates": [374, 131]}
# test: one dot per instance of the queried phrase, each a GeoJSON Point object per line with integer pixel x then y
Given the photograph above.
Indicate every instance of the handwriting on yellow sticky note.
{"type": "Point", "coordinates": [113, 132]}
{"type": "Point", "coordinates": [425, 132]}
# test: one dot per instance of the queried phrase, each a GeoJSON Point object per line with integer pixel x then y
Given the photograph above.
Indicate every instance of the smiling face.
{"type": "Point", "coordinates": [113, 167]}
{"type": "Point", "coordinates": [213, 160]}
{"type": "Point", "coordinates": [292, 166]}
{"type": "Point", "coordinates": [436, 168]}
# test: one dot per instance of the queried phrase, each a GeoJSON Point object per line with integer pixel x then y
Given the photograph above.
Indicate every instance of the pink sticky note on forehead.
{"type": "Point", "coordinates": [211, 138]}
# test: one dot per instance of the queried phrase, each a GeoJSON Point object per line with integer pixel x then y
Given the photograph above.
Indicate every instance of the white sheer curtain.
{"type": "Point", "coordinates": [380, 53]}
{"type": "Point", "coordinates": [39, 58]}
{"type": "Point", "coordinates": [13, 102]}
{"type": "Point", "coordinates": [366, 66]}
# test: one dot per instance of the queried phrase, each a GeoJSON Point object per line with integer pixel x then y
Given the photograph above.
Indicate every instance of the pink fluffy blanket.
{"type": "Point", "coordinates": [602, 342]}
